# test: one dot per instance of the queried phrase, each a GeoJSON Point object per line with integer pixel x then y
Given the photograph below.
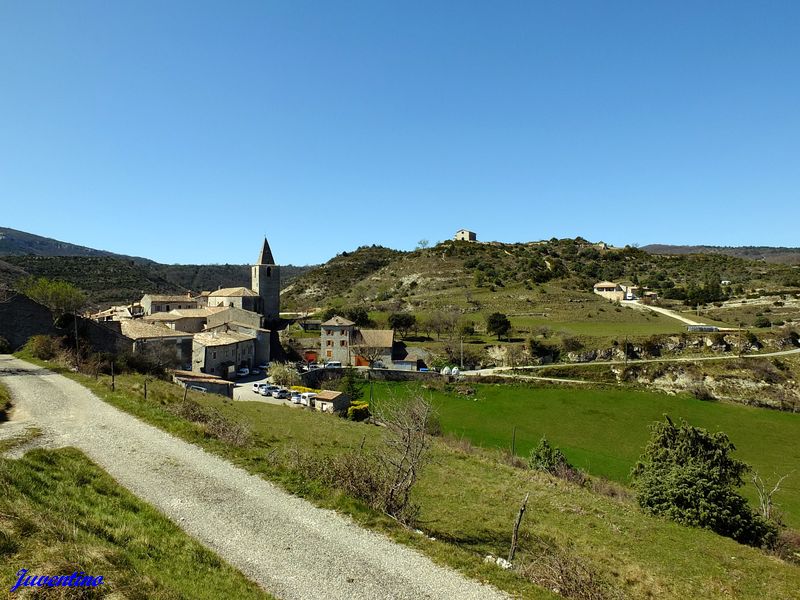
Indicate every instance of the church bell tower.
{"type": "Point", "coordinates": [266, 282]}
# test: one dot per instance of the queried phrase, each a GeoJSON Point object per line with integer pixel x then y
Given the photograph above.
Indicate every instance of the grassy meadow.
{"type": "Point", "coordinates": [469, 496]}
{"type": "Point", "coordinates": [603, 430]}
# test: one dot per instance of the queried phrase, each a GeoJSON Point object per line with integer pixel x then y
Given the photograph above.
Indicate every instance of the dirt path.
{"type": "Point", "coordinates": [664, 311]}
{"type": "Point", "coordinates": [291, 548]}
{"type": "Point", "coordinates": [632, 361]}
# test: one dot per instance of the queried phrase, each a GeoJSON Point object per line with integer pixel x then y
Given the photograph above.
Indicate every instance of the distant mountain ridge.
{"type": "Point", "coordinates": [770, 254]}
{"type": "Point", "coordinates": [110, 277]}
{"type": "Point", "coordinates": [20, 243]}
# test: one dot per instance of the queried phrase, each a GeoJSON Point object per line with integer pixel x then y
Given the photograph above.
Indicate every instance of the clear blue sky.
{"type": "Point", "coordinates": [185, 131]}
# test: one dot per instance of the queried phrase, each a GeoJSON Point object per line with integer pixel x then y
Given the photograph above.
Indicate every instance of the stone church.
{"type": "Point", "coordinates": [264, 295]}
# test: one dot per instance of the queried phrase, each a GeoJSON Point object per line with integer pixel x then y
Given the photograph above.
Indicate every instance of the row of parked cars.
{"type": "Point", "coordinates": [275, 391]}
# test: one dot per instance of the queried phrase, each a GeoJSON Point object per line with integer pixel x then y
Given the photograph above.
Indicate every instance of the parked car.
{"type": "Point", "coordinates": [333, 364]}
{"type": "Point", "coordinates": [282, 394]}
{"type": "Point", "coordinates": [313, 366]}
{"type": "Point", "coordinates": [264, 366]}
{"type": "Point", "coordinates": [257, 387]}
{"type": "Point", "coordinates": [268, 389]}
{"type": "Point", "coordinates": [295, 398]}
{"type": "Point", "coordinates": [255, 371]}
{"type": "Point", "coordinates": [243, 372]}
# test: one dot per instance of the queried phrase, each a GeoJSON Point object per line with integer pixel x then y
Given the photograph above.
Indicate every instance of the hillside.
{"type": "Point", "coordinates": [778, 255]}
{"type": "Point", "coordinates": [20, 243]}
{"type": "Point", "coordinates": [104, 279]}
{"type": "Point", "coordinates": [109, 277]}
{"type": "Point", "coordinates": [339, 277]}
{"type": "Point", "coordinates": [515, 278]}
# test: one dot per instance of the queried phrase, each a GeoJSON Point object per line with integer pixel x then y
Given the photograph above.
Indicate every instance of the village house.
{"type": "Point", "coordinates": [465, 235]}
{"type": "Point", "coordinates": [190, 320]}
{"type": "Point", "coordinates": [341, 341]}
{"type": "Point", "coordinates": [331, 401]}
{"type": "Point", "coordinates": [154, 303]}
{"type": "Point", "coordinates": [238, 297]}
{"type": "Point", "coordinates": [119, 313]}
{"type": "Point", "coordinates": [151, 338]}
{"type": "Point", "coordinates": [222, 352]}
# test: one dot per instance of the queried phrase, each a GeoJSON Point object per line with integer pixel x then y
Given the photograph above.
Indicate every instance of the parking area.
{"type": "Point", "coordinates": [243, 392]}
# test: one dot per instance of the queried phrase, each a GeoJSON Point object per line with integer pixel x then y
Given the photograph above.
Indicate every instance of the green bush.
{"type": "Point", "coordinates": [5, 347]}
{"type": "Point", "coordinates": [688, 475]}
{"type": "Point", "coordinates": [762, 322]}
{"type": "Point", "coordinates": [545, 457]}
{"type": "Point", "coordinates": [358, 411]}
{"type": "Point", "coordinates": [43, 347]}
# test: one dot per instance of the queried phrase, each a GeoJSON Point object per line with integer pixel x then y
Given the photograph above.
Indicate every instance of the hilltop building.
{"type": "Point", "coordinates": [465, 235]}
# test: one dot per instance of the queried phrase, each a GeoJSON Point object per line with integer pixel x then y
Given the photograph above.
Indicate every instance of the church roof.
{"type": "Point", "coordinates": [265, 258]}
{"type": "Point", "coordinates": [236, 292]}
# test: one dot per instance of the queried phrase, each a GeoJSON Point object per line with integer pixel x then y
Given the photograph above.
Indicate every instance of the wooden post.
{"type": "Point", "coordinates": [112, 376]}
{"type": "Point", "coordinates": [516, 529]}
{"type": "Point", "coordinates": [514, 441]}
{"type": "Point", "coordinates": [185, 391]}
{"type": "Point", "coordinates": [145, 389]}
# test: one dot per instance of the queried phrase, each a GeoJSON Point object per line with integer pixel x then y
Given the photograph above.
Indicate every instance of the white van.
{"type": "Point", "coordinates": [307, 398]}
{"type": "Point", "coordinates": [333, 364]}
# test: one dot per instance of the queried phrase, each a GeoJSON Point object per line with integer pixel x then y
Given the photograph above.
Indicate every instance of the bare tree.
{"type": "Point", "coordinates": [406, 451]}
{"type": "Point", "coordinates": [369, 353]}
{"type": "Point", "coordinates": [765, 504]}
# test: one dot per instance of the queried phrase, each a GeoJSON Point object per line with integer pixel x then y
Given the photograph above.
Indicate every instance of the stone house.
{"type": "Point", "coordinates": [238, 297]}
{"type": "Point", "coordinates": [189, 320]}
{"type": "Point", "coordinates": [222, 352]}
{"type": "Point", "coordinates": [465, 235]}
{"type": "Point", "coordinates": [331, 401]}
{"type": "Point", "coordinates": [262, 338]}
{"type": "Point", "coordinates": [154, 303]}
{"type": "Point", "coordinates": [233, 314]}
{"type": "Point", "coordinates": [342, 341]}
{"type": "Point", "coordinates": [147, 337]}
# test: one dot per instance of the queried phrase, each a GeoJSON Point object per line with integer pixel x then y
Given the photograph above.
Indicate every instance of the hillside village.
{"type": "Point", "coordinates": [475, 325]}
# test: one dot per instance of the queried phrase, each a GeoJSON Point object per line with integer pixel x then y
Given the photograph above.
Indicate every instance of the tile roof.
{"type": "Point", "coordinates": [220, 338]}
{"type": "Point", "coordinates": [328, 395]}
{"type": "Point", "coordinates": [138, 330]}
{"type": "Point", "coordinates": [605, 284]}
{"type": "Point", "coordinates": [167, 298]}
{"type": "Point", "coordinates": [376, 338]}
{"type": "Point", "coordinates": [337, 321]}
{"type": "Point", "coordinates": [234, 292]}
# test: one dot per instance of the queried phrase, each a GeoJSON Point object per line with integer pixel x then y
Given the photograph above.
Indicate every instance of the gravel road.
{"type": "Point", "coordinates": [289, 547]}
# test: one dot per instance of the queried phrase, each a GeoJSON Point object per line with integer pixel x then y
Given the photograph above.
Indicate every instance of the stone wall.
{"type": "Point", "coordinates": [21, 318]}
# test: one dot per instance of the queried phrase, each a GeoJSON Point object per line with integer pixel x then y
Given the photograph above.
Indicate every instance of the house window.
{"type": "Point", "coordinates": [214, 355]}
{"type": "Point", "coordinates": [329, 343]}
{"type": "Point", "coordinates": [167, 307]}
{"type": "Point", "coordinates": [329, 353]}
{"type": "Point", "coordinates": [343, 343]}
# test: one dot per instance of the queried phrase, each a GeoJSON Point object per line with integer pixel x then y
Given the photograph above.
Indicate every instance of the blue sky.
{"type": "Point", "coordinates": [185, 131]}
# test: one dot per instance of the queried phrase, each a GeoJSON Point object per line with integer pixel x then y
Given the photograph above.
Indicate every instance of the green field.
{"type": "Point", "coordinates": [61, 513]}
{"type": "Point", "coordinates": [469, 498]}
{"type": "Point", "coordinates": [604, 430]}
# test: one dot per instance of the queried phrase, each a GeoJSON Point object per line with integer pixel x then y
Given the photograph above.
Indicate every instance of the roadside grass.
{"type": "Point", "coordinates": [604, 430]}
{"type": "Point", "coordinates": [469, 498]}
{"type": "Point", "coordinates": [61, 513]}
